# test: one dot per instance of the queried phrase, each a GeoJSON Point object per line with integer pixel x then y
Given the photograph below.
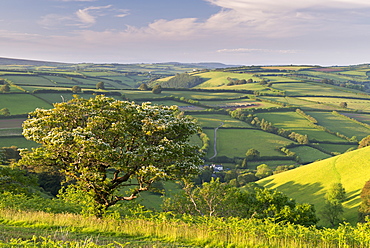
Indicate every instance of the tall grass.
{"type": "Point", "coordinates": [198, 231]}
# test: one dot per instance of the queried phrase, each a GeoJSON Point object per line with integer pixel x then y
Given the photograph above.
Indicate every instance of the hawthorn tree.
{"type": "Point", "coordinates": [103, 145]}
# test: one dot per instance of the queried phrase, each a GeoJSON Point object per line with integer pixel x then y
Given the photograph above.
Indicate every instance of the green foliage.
{"type": "Point", "coordinates": [102, 144]}
{"type": "Point", "coordinates": [157, 89]}
{"type": "Point", "coordinates": [252, 154]}
{"type": "Point", "coordinates": [167, 230]}
{"type": "Point", "coordinates": [5, 88]}
{"type": "Point", "coordinates": [343, 105]}
{"type": "Point", "coordinates": [4, 111]}
{"type": "Point", "coordinates": [336, 192]}
{"type": "Point", "coordinates": [263, 171]}
{"type": "Point", "coordinates": [364, 210]}
{"type": "Point", "coordinates": [223, 200]}
{"type": "Point", "coordinates": [100, 85]}
{"type": "Point", "coordinates": [17, 181]}
{"type": "Point", "coordinates": [76, 89]}
{"type": "Point", "coordinates": [364, 142]}
{"type": "Point", "coordinates": [333, 208]}
{"type": "Point", "coordinates": [143, 86]}
{"type": "Point", "coordinates": [182, 80]}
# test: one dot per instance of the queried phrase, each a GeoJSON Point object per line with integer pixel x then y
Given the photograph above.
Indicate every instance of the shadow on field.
{"type": "Point", "coordinates": [302, 193]}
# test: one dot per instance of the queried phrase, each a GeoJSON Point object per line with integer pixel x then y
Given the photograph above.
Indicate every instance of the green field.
{"type": "Point", "coordinates": [217, 79]}
{"type": "Point", "coordinates": [354, 104]}
{"type": "Point", "coordinates": [60, 80]}
{"type": "Point", "coordinates": [21, 103]}
{"type": "Point", "coordinates": [296, 123]}
{"type": "Point", "coordinates": [236, 142]}
{"type": "Point", "coordinates": [309, 183]}
{"type": "Point", "coordinates": [364, 118]}
{"type": "Point", "coordinates": [338, 148]}
{"type": "Point", "coordinates": [30, 80]}
{"type": "Point", "coordinates": [58, 97]}
{"type": "Point", "coordinates": [19, 142]}
{"type": "Point", "coordinates": [340, 124]}
{"type": "Point", "coordinates": [308, 154]}
{"type": "Point", "coordinates": [311, 89]}
{"type": "Point", "coordinates": [239, 103]}
{"type": "Point", "coordinates": [215, 120]}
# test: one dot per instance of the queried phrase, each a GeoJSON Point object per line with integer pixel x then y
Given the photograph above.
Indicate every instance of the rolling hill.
{"type": "Point", "coordinates": [309, 183]}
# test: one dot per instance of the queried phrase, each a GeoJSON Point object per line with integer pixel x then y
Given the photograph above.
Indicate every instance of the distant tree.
{"type": "Point", "coordinates": [4, 111]}
{"type": "Point", "coordinates": [336, 192]}
{"type": "Point", "coordinates": [249, 81]}
{"type": "Point", "coordinates": [143, 86]}
{"type": "Point", "coordinates": [263, 170]}
{"type": "Point", "coordinates": [246, 178]}
{"type": "Point", "coordinates": [364, 142]}
{"type": "Point", "coordinates": [263, 82]}
{"type": "Point", "coordinates": [343, 104]}
{"type": "Point", "coordinates": [333, 208]}
{"type": "Point", "coordinates": [244, 163]}
{"type": "Point", "coordinates": [5, 88]}
{"type": "Point", "coordinates": [364, 209]}
{"type": "Point", "coordinates": [76, 89]}
{"type": "Point", "coordinates": [100, 86]}
{"type": "Point", "coordinates": [252, 154]}
{"type": "Point", "coordinates": [157, 89]}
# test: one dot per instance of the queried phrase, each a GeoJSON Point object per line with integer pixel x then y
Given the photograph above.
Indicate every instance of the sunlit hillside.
{"type": "Point", "coordinates": [309, 183]}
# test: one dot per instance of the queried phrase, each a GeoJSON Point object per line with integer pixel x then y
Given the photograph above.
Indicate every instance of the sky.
{"type": "Point", "coordinates": [236, 32]}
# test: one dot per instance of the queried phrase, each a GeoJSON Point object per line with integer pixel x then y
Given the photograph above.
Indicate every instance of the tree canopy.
{"type": "Point", "coordinates": [100, 86]}
{"type": "Point", "coordinates": [102, 145]}
{"type": "Point", "coordinates": [223, 200]}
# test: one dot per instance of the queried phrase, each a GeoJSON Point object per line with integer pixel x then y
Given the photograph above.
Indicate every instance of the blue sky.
{"type": "Point", "coordinates": [247, 32]}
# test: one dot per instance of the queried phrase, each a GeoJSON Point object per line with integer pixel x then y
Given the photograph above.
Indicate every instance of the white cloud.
{"type": "Point", "coordinates": [85, 15]}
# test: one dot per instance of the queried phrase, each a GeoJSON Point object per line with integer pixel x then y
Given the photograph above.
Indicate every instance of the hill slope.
{"type": "Point", "coordinates": [309, 183]}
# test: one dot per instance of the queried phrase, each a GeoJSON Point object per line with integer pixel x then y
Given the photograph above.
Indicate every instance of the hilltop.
{"type": "Point", "coordinates": [309, 183]}
{"type": "Point", "coordinates": [11, 61]}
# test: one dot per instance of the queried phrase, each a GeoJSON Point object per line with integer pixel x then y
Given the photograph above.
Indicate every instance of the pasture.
{"type": "Point", "coordinates": [354, 104]}
{"type": "Point", "coordinates": [218, 78]}
{"type": "Point", "coordinates": [365, 118]}
{"type": "Point", "coordinates": [310, 183]}
{"type": "Point", "coordinates": [340, 124]}
{"type": "Point", "coordinates": [305, 88]}
{"type": "Point", "coordinates": [18, 141]}
{"type": "Point", "coordinates": [239, 103]}
{"type": "Point", "coordinates": [337, 148]}
{"type": "Point", "coordinates": [21, 103]}
{"type": "Point", "coordinates": [296, 123]}
{"type": "Point", "coordinates": [308, 154]}
{"type": "Point", "coordinates": [61, 80]}
{"type": "Point", "coordinates": [29, 80]}
{"type": "Point", "coordinates": [236, 142]}
{"type": "Point", "coordinates": [215, 120]}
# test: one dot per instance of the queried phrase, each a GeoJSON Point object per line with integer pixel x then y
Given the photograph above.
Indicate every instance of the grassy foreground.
{"type": "Point", "coordinates": [40, 229]}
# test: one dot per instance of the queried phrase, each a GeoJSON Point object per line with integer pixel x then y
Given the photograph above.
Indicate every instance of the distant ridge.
{"type": "Point", "coordinates": [208, 65]}
{"type": "Point", "coordinates": [10, 61]}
